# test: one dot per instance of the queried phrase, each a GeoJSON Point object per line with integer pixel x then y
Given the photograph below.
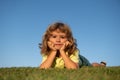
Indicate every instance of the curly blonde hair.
{"type": "Point", "coordinates": [63, 28]}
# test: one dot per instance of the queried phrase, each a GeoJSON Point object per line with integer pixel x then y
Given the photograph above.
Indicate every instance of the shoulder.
{"type": "Point", "coordinates": [75, 53]}
{"type": "Point", "coordinates": [44, 55]}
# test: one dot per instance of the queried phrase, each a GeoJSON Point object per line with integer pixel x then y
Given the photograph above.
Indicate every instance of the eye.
{"type": "Point", "coordinates": [63, 37]}
{"type": "Point", "coordinates": [53, 36]}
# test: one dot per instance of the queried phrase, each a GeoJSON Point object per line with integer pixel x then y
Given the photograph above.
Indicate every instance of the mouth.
{"type": "Point", "coordinates": [59, 44]}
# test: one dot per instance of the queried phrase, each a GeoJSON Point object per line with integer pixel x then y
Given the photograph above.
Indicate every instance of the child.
{"type": "Point", "coordinates": [59, 49]}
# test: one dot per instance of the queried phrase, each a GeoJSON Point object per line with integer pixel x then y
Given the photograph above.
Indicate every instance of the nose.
{"type": "Point", "coordinates": [58, 39]}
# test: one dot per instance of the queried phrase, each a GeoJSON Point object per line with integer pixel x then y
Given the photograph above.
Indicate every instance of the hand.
{"type": "Point", "coordinates": [65, 45]}
{"type": "Point", "coordinates": [51, 46]}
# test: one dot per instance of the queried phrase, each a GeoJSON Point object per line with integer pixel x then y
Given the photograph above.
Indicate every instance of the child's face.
{"type": "Point", "coordinates": [58, 39]}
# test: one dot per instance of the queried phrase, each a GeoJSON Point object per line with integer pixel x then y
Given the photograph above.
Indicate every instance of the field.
{"type": "Point", "coordinates": [84, 73]}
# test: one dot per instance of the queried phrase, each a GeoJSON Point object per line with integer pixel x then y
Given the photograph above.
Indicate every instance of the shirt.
{"type": "Point", "coordinates": [59, 63]}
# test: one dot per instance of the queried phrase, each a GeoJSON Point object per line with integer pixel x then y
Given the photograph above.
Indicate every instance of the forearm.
{"type": "Point", "coordinates": [68, 62]}
{"type": "Point", "coordinates": [49, 61]}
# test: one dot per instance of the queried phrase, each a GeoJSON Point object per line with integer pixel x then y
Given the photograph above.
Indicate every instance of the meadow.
{"type": "Point", "coordinates": [84, 73]}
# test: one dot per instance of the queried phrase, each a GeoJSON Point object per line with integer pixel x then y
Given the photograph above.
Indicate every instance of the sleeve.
{"type": "Point", "coordinates": [75, 56]}
{"type": "Point", "coordinates": [44, 57]}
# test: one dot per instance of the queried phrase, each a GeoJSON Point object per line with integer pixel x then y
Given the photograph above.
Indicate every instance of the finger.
{"type": "Point", "coordinates": [67, 43]}
{"type": "Point", "coordinates": [49, 43]}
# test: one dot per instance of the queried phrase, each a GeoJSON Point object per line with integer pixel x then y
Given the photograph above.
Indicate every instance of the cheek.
{"type": "Point", "coordinates": [64, 40]}
{"type": "Point", "coordinates": [52, 40]}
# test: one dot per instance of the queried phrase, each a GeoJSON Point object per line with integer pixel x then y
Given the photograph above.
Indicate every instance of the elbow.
{"type": "Point", "coordinates": [73, 67]}
{"type": "Point", "coordinates": [44, 67]}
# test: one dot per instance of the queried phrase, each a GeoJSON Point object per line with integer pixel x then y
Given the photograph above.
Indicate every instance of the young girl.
{"type": "Point", "coordinates": [59, 49]}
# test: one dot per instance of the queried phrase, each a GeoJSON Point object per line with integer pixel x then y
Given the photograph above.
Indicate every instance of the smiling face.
{"type": "Point", "coordinates": [58, 38]}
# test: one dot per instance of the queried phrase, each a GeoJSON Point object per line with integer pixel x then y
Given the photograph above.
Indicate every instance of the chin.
{"type": "Point", "coordinates": [58, 48]}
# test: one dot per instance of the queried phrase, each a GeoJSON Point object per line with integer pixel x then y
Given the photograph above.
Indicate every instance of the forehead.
{"type": "Point", "coordinates": [58, 32]}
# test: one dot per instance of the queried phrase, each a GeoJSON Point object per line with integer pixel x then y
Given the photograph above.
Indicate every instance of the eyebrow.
{"type": "Point", "coordinates": [60, 34]}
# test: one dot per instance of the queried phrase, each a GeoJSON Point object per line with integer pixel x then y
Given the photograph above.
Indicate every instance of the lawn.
{"type": "Point", "coordinates": [84, 73]}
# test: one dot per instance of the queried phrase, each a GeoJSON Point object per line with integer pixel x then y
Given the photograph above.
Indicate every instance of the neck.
{"type": "Point", "coordinates": [58, 53]}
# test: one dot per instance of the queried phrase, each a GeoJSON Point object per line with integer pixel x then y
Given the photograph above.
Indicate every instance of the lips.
{"type": "Point", "coordinates": [58, 44]}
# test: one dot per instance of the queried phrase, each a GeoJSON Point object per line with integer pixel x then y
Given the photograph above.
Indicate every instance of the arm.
{"type": "Point", "coordinates": [50, 58]}
{"type": "Point", "coordinates": [48, 62]}
{"type": "Point", "coordinates": [68, 62]}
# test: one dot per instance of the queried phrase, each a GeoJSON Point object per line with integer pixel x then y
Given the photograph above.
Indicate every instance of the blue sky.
{"type": "Point", "coordinates": [94, 23]}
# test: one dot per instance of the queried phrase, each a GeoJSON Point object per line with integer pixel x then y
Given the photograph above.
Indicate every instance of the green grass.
{"type": "Point", "coordinates": [85, 73]}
